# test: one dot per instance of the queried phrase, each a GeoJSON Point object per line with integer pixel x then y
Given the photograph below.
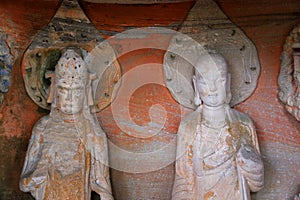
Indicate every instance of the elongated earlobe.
{"type": "Point", "coordinates": [197, 100]}
{"type": "Point", "coordinates": [50, 74]}
{"type": "Point", "coordinates": [89, 89]}
{"type": "Point", "coordinates": [228, 91]}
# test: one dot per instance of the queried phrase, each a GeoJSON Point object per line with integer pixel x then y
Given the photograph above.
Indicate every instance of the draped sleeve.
{"type": "Point", "coordinates": [33, 178]}
{"type": "Point", "coordinates": [252, 167]}
{"type": "Point", "coordinates": [183, 184]}
{"type": "Point", "coordinates": [99, 172]}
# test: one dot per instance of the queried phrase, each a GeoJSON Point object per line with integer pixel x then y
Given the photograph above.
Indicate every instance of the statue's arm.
{"type": "Point", "coordinates": [183, 184]}
{"type": "Point", "coordinates": [99, 174]}
{"type": "Point", "coordinates": [31, 177]}
{"type": "Point", "coordinates": [248, 157]}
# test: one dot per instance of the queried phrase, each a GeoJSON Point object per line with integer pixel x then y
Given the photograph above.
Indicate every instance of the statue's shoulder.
{"type": "Point", "coordinates": [188, 127]}
{"type": "Point", "coordinates": [243, 118]}
{"type": "Point", "coordinates": [41, 124]}
{"type": "Point", "coordinates": [247, 127]}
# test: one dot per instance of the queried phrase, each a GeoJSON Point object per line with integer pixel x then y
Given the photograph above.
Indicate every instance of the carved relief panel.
{"type": "Point", "coordinates": [208, 28]}
{"type": "Point", "coordinates": [210, 66]}
{"type": "Point", "coordinates": [71, 71]}
{"type": "Point", "coordinates": [6, 62]}
{"type": "Point", "coordinates": [289, 76]}
{"type": "Point", "coordinates": [73, 29]}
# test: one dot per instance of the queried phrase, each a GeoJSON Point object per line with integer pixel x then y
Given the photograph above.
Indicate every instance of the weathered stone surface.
{"type": "Point", "coordinates": [266, 23]}
{"type": "Point", "coordinates": [210, 29]}
{"type": "Point", "coordinates": [289, 76]}
{"type": "Point", "coordinates": [217, 153]}
{"type": "Point", "coordinates": [67, 156]}
{"type": "Point", "coordinates": [167, 15]}
{"type": "Point", "coordinates": [69, 27]}
{"type": "Point", "coordinates": [6, 62]}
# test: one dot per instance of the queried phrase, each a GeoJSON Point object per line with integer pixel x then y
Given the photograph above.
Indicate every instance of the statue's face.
{"type": "Point", "coordinates": [211, 86]}
{"type": "Point", "coordinates": [70, 97]}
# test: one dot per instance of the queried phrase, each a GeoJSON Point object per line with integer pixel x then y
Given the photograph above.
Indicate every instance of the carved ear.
{"type": "Point", "coordinates": [50, 74]}
{"type": "Point", "coordinates": [92, 76]}
{"type": "Point", "coordinates": [228, 91]}
{"type": "Point", "coordinates": [197, 100]}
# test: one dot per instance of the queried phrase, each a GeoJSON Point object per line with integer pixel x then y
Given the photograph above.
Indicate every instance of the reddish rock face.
{"type": "Point", "coordinates": [278, 132]}
{"type": "Point", "coordinates": [110, 19]}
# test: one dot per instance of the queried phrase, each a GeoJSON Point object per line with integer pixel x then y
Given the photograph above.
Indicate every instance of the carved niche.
{"type": "Point", "coordinates": [289, 76]}
{"type": "Point", "coordinates": [64, 30]}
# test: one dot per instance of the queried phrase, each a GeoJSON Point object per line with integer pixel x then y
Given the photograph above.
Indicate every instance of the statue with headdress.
{"type": "Point", "coordinates": [67, 157]}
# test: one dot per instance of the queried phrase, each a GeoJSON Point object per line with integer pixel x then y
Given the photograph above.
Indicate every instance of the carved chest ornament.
{"type": "Point", "coordinates": [69, 30]}
{"type": "Point", "coordinates": [289, 76]}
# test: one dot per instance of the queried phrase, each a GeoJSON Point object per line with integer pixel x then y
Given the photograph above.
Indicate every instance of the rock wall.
{"type": "Point", "coordinates": [266, 23]}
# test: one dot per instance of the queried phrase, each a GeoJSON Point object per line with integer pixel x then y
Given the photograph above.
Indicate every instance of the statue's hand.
{"type": "Point", "coordinates": [251, 166]}
{"type": "Point", "coordinates": [247, 157]}
{"type": "Point", "coordinates": [25, 181]}
{"type": "Point", "coordinates": [29, 181]}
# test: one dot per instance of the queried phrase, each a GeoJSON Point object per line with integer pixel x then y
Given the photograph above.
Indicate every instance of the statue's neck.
{"type": "Point", "coordinates": [71, 118]}
{"type": "Point", "coordinates": [214, 116]}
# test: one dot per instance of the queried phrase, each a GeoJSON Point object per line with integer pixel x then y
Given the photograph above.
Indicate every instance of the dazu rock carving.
{"type": "Point", "coordinates": [67, 156]}
{"type": "Point", "coordinates": [218, 156]}
{"type": "Point", "coordinates": [69, 29]}
{"type": "Point", "coordinates": [289, 76]}
{"type": "Point", "coordinates": [6, 63]}
{"type": "Point", "coordinates": [211, 29]}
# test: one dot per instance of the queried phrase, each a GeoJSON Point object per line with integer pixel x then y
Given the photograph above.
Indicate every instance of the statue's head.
{"type": "Point", "coordinates": [71, 77]}
{"type": "Point", "coordinates": [212, 80]}
{"type": "Point", "coordinates": [71, 81]}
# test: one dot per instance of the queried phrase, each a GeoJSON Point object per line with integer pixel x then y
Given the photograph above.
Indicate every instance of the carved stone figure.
{"type": "Point", "coordinates": [67, 156]}
{"type": "Point", "coordinates": [207, 27]}
{"type": "Point", "coordinates": [69, 29]}
{"type": "Point", "coordinates": [6, 63]}
{"type": "Point", "coordinates": [218, 156]}
{"type": "Point", "coordinates": [289, 77]}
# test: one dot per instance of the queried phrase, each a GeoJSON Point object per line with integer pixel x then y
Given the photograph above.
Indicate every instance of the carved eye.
{"type": "Point", "coordinates": [61, 90]}
{"type": "Point", "coordinates": [223, 80]}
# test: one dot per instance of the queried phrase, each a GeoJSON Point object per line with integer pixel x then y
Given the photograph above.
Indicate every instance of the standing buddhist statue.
{"type": "Point", "coordinates": [218, 155]}
{"type": "Point", "coordinates": [67, 156]}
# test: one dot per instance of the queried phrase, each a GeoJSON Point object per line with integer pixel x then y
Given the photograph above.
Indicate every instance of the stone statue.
{"type": "Point", "coordinates": [289, 76]}
{"type": "Point", "coordinates": [218, 155]}
{"type": "Point", "coordinates": [67, 156]}
{"type": "Point", "coordinates": [6, 62]}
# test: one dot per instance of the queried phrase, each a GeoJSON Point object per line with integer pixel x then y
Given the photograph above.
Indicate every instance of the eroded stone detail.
{"type": "Point", "coordinates": [289, 76]}
{"type": "Point", "coordinates": [208, 27]}
{"type": "Point", "coordinates": [69, 27]}
{"type": "Point", "coordinates": [6, 63]}
{"type": "Point", "coordinates": [67, 156]}
{"type": "Point", "coordinates": [218, 156]}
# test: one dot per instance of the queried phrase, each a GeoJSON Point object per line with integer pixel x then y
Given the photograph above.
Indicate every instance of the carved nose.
{"type": "Point", "coordinates": [69, 96]}
{"type": "Point", "coordinates": [212, 87]}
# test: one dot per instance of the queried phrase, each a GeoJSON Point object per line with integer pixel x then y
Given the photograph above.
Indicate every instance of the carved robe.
{"type": "Point", "coordinates": [66, 161]}
{"type": "Point", "coordinates": [206, 166]}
